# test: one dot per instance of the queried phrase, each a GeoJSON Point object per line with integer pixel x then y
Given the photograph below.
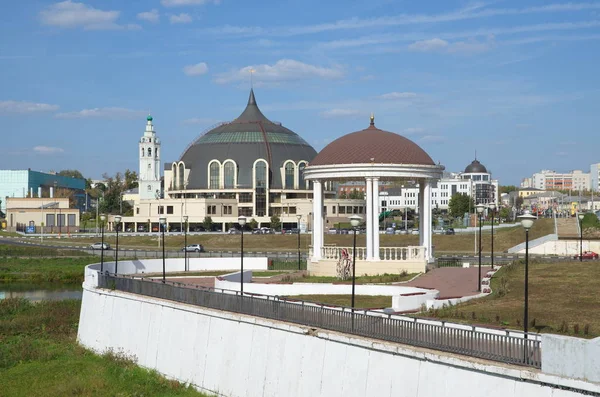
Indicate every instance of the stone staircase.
{"type": "Point", "coordinates": [567, 227]}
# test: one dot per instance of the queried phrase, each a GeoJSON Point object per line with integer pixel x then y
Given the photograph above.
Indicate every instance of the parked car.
{"type": "Point", "coordinates": [332, 231]}
{"type": "Point", "coordinates": [390, 230]}
{"type": "Point", "coordinates": [438, 231]}
{"type": "Point", "coordinates": [256, 231]}
{"type": "Point", "coordinates": [234, 231]}
{"type": "Point", "coordinates": [450, 231]}
{"type": "Point", "coordinates": [587, 255]}
{"type": "Point", "coordinates": [193, 248]}
{"type": "Point", "coordinates": [100, 246]}
{"type": "Point", "coordinates": [414, 231]}
{"type": "Point", "coordinates": [267, 230]}
{"type": "Point", "coordinates": [401, 231]}
{"type": "Point", "coordinates": [295, 231]}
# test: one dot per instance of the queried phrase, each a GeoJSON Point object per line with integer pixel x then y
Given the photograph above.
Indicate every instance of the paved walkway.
{"type": "Point", "coordinates": [452, 282]}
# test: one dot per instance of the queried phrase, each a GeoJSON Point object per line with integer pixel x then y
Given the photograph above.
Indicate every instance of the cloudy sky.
{"type": "Point", "coordinates": [516, 81]}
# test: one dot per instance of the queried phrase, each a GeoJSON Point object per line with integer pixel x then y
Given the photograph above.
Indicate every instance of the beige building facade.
{"type": "Point", "coordinates": [41, 215]}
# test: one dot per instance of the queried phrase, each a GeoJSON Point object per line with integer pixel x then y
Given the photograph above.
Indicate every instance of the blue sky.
{"type": "Point", "coordinates": [515, 80]}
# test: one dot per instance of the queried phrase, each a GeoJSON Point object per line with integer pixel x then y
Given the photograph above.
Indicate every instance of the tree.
{"type": "Point", "coordinates": [505, 213]}
{"type": "Point", "coordinates": [519, 202]}
{"type": "Point", "coordinates": [275, 222]}
{"type": "Point", "coordinates": [507, 188]}
{"type": "Point", "coordinates": [460, 203]}
{"type": "Point", "coordinates": [357, 195]}
{"type": "Point", "coordinates": [131, 179]}
{"type": "Point", "coordinates": [71, 173]}
{"type": "Point", "coordinates": [207, 223]}
{"type": "Point", "coordinates": [253, 223]}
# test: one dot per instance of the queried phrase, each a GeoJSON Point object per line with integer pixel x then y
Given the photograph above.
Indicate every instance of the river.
{"type": "Point", "coordinates": [40, 291]}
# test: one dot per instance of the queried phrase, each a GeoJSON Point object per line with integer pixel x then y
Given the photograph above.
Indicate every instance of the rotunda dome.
{"type": "Point", "coordinates": [245, 140]}
{"type": "Point", "coordinates": [475, 168]}
{"type": "Point", "coordinates": [372, 145]}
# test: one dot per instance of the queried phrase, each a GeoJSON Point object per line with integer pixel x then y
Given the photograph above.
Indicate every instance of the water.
{"type": "Point", "coordinates": [40, 291]}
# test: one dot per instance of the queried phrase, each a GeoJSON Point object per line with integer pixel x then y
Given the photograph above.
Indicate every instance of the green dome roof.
{"type": "Point", "coordinates": [149, 118]}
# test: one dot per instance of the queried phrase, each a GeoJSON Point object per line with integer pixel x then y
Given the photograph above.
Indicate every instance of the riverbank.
{"type": "Point", "coordinates": [63, 270]}
{"type": "Point", "coordinates": [39, 356]}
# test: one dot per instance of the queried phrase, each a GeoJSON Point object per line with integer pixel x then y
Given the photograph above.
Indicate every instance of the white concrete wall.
{"type": "Point", "coordinates": [235, 355]}
{"type": "Point", "coordinates": [563, 247]}
{"type": "Point", "coordinates": [571, 357]}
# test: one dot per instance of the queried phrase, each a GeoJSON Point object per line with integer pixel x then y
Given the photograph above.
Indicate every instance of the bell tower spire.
{"type": "Point", "coordinates": [149, 155]}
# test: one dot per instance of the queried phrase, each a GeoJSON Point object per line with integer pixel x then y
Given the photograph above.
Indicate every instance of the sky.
{"type": "Point", "coordinates": [514, 81]}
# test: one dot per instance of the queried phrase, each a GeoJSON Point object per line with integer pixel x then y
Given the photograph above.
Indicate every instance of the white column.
{"type": "Point", "coordinates": [317, 220]}
{"type": "Point", "coordinates": [375, 219]}
{"type": "Point", "coordinates": [427, 220]}
{"type": "Point", "coordinates": [369, 227]}
{"type": "Point", "coordinates": [421, 212]}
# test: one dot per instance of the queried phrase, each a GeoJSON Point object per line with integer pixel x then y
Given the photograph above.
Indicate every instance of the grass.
{"type": "Point", "coordinates": [268, 273]}
{"type": "Point", "coordinates": [377, 279]}
{"type": "Point", "coordinates": [504, 239]}
{"type": "Point", "coordinates": [563, 298]}
{"type": "Point", "coordinates": [65, 270]}
{"type": "Point", "coordinates": [9, 250]}
{"type": "Point", "coordinates": [9, 234]}
{"type": "Point", "coordinates": [361, 301]}
{"type": "Point", "coordinates": [39, 356]}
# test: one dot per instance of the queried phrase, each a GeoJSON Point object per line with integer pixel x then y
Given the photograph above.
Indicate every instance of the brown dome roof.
{"type": "Point", "coordinates": [372, 145]}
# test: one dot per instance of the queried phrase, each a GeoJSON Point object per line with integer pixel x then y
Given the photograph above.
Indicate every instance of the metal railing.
{"type": "Point", "coordinates": [486, 345]}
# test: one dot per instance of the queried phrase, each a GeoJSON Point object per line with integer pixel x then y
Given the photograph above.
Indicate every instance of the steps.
{"type": "Point", "coordinates": [567, 227]}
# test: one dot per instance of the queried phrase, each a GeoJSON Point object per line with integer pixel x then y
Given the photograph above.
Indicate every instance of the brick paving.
{"type": "Point", "coordinates": [452, 282]}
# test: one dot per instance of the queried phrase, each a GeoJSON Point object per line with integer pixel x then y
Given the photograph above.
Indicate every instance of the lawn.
{"type": "Point", "coordinates": [361, 301]}
{"type": "Point", "coordinates": [563, 298]}
{"type": "Point", "coordinates": [24, 251]}
{"type": "Point", "coordinates": [461, 242]}
{"type": "Point", "coordinates": [64, 270]}
{"type": "Point", "coordinates": [39, 356]}
{"type": "Point", "coordinates": [376, 279]}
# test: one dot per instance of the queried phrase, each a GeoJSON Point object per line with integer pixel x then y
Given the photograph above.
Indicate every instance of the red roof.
{"type": "Point", "coordinates": [372, 145]}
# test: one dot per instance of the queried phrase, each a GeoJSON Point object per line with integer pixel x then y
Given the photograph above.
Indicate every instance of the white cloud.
{"type": "Point", "coordinates": [413, 131]}
{"type": "Point", "coordinates": [334, 113]}
{"type": "Point", "coordinates": [432, 139]}
{"type": "Point", "coordinates": [196, 70]}
{"type": "Point", "coordinates": [47, 150]}
{"type": "Point", "coordinates": [150, 16]}
{"type": "Point", "coordinates": [440, 45]}
{"type": "Point", "coordinates": [181, 18]}
{"type": "Point", "coordinates": [282, 70]}
{"type": "Point", "coordinates": [69, 14]}
{"type": "Point", "coordinates": [429, 45]}
{"type": "Point", "coordinates": [179, 3]}
{"type": "Point", "coordinates": [25, 107]}
{"type": "Point", "coordinates": [109, 113]}
{"type": "Point", "coordinates": [397, 95]}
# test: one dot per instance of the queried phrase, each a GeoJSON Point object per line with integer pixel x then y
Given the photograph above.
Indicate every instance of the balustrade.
{"type": "Point", "coordinates": [385, 253]}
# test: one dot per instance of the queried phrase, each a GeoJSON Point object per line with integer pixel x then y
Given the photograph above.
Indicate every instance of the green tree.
{"type": "Point", "coordinates": [131, 179]}
{"type": "Point", "coordinates": [519, 201]}
{"type": "Point", "coordinates": [71, 173]}
{"type": "Point", "coordinates": [507, 188]}
{"type": "Point", "coordinates": [358, 195]}
{"type": "Point", "coordinates": [505, 213]}
{"type": "Point", "coordinates": [207, 223]}
{"type": "Point", "coordinates": [459, 204]}
{"type": "Point", "coordinates": [275, 223]}
{"type": "Point", "coordinates": [253, 224]}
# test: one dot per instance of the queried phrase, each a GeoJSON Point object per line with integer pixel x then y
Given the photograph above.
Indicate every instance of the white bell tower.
{"type": "Point", "coordinates": [149, 152]}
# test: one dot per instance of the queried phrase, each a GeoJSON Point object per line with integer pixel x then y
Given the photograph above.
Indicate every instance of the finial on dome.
{"type": "Point", "coordinates": [149, 118]}
{"type": "Point", "coordinates": [372, 119]}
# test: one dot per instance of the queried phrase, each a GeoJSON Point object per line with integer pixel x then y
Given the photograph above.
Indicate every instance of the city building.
{"type": "Point", "coordinates": [41, 215]}
{"type": "Point", "coordinates": [28, 183]}
{"type": "Point", "coordinates": [552, 180]}
{"type": "Point", "coordinates": [595, 176]}
{"type": "Point", "coordinates": [250, 166]}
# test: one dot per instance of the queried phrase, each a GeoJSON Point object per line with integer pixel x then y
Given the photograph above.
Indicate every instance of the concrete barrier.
{"type": "Point", "coordinates": [571, 357]}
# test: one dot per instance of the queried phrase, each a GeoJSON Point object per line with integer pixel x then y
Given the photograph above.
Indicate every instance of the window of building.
{"type": "Point", "coordinates": [227, 210]}
{"type": "Point", "coordinates": [292, 210]}
{"type": "Point", "coordinates": [342, 210]}
{"type": "Point", "coordinates": [214, 175]}
{"type": "Point", "coordinates": [149, 152]}
{"type": "Point", "coordinates": [260, 174]}
{"type": "Point", "coordinates": [301, 184]}
{"type": "Point", "coordinates": [161, 210]}
{"type": "Point", "coordinates": [137, 210]}
{"type": "Point", "coordinates": [142, 152]}
{"type": "Point", "coordinates": [180, 176]}
{"type": "Point", "coordinates": [211, 210]}
{"type": "Point", "coordinates": [169, 209]}
{"type": "Point", "coordinates": [149, 188]}
{"type": "Point", "coordinates": [229, 175]}
{"type": "Point", "coordinates": [50, 220]}
{"type": "Point", "coordinates": [333, 209]}
{"type": "Point", "coordinates": [156, 153]}
{"type": "Point", "coordinates": [61, 219]}
{"type": "Point", "coordinates": [71, 220]}
{"type": "Point", "coordinates": [289, 176]}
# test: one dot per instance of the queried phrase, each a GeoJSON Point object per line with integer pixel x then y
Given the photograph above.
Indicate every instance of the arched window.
{"type": "Point", "coordinates": [156, 153]}
{"type": "Point", "coordinates": [229, 174]}
{"type": "Point", "coordinates": [301, 183]}
{"type": "Point", "coordinates": [174, 176]}
{"type": "Point", "coordinates": [214, 181]}
{"type": "Point", "coordinates": [260, 174]}
{"type": "Point", "coordinates": [142, 152]}
{"type": "Point", "coordinates": [289, 175]}
{"type": "Point", "coordinates": [149, 188]}
{"type": "Point", "coordinates": [181, 175]}
{"type": "Point", "coordinates": [149, 152]}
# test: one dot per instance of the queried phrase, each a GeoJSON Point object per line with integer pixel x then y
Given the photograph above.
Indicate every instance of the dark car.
{"type": "Point", "coordinates": [450, 231]}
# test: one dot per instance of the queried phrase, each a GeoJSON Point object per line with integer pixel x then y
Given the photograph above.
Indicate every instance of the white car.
{"type": "Point", "coordinates": [193, 248]}
{"type": "Point", "coordinates": [99, 246]}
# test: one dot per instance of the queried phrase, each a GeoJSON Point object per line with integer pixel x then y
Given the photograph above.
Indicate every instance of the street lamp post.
{"type": "Point", "coordinates": [479, 208]}
{"type": "Point", "coordinates": [581, 215]}
{"type": "Point", "coordinates": [102, 219]}
{"type": "Point", "coordinates": [185, 224]}
{"type": "Point", "coordinates": [526, 221]}
{"type": "Point", "coordinates": [299, 217]}
{"type": "Point", "coordinates": [242, 222]}
{"type": "Point", "coordinates": [117, 223]}
{"type": "Point", "coordinates": [354, 221]}
{"type": "Point", "coordinates": [492, 208]}
{"type": "Point", "coordinates": [162, 223]}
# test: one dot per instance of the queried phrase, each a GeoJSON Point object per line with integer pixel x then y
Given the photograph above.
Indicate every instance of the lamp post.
{"type": "Point", "coordinates": [102, 219]}
{"type": "Point", "coordinates": [162, 223]}
{"type": "Point", "coordinates": [185, 261]}
{"type": "Point", "coordinates": [492, 208]}
{"type": "Point", "coordinates": [479, 208]}
{"type": "Point", "coordinates": [526, 221]}
{"type": "Point", "coordinates": [242, 222]}
{"type": "Point", "coordinates": [581, 215]}
{"type": "Point", "coordinates": [354, 221]}
{"type": "Point", "coordinates": [299, 217]}
{"type": "Point", "coordinates": [117, 223]}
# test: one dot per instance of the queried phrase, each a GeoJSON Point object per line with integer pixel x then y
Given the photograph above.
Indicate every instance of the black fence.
{"type": "Point", "coordinates": [486, 345]}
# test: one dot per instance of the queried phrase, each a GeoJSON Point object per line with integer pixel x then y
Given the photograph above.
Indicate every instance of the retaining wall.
{"type": "Point", "coordinates": [562, 247]}
{"type": "Point", "coordinates": [237, 355]}
{"type": "Point", "coordinates": [327, 267]}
